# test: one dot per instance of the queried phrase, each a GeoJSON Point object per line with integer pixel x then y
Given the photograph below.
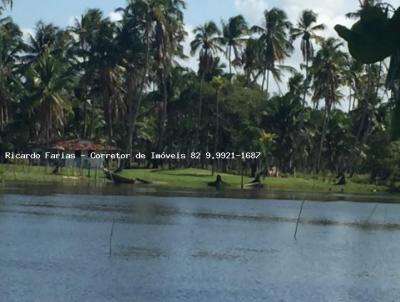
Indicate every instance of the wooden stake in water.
{"type": "Point", "coordinates": [298, 220]}
{"type": "Point", "coordinates": [111, 237]}
{"type": "Point", "coordinates": [372, 212]}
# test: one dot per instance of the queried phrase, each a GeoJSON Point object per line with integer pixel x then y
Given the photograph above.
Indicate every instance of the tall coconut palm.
{"type": "Point", "coordinates": [353, 78]}
{"type": "Point", "coordinates": [252, 60]}
{"type": "Point", "coordinates": [234, 32]}
{"type": "Point", "coordinates": [307, 30]}
{"type": "Point", "coordinates": [169, 33]}
{"type": "Point", "coordinates": [48, 37]}
{"type": "Point", "coordinates": [98, 59]}
{"type": "Point", "coordinates": [11, 45]}
{"type": "Point", "coordinates": [327, 74]}
{"type": "Point", "coordinates": [48, 83]}
{"type": "Point", "coordinates": [217, 83]}
{"type": "Point", "coordinates": [85, 30]}
{"type": "Point", "coordinates": [135, 34]}
{"type": "Point", "coordinates": [276, 40]}
{"type": "Point", "coordinates": [207, 43]}
{"type": "Point", "coordinates": [108, 76]}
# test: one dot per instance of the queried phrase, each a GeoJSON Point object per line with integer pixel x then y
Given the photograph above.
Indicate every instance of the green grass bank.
{"type": "Point", "coordinates": [189, 178]}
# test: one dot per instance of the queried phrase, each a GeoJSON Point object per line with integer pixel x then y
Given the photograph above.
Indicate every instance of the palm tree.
{"type": "Point", "coordinates": [169, 33]}
{"type": "Point", "coordinates": [135, 34]}
{"type": "Point", "coordinates": [51, 38]}
{"type": "Point", "coordinates": [207, 43]}
{"type": "Point", "coordinates": [252, 60]}
{"type": "Point", "coordinates": [11, 45]}
{"type": "Point", "coordinates": [48, 83]}
{"type": "Point", "coordinates": [85, 30]}
{"type": "Point", "coordinates": [306, 29]}
{"type": "Point", "coordinates": [327, 74]}
{"type": "Point", "coordinates": [234, 37]}
{"type": "Point", "coordinates": [108, 76]}
{"type": "Point", "coordinates": [98, 59]}
{"type": "Point", "coordinates": [217, 83]}
{"type": "Point", "coordinates": [366, 4]}
{"type": "Point", "coordinates": [353, 78]}
{"type": "Point", "coordinates": [276, 41]}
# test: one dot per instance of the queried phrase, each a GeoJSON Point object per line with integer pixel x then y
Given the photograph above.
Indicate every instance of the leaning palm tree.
{"type": "Point", "coordinates": [134, 38]}
{"type": "Point", "coordinates": [307, 30]}
{"type": "Point", "coordinates": [149, 35]}
{"type": "Point", "coordinates": [275, 39]}
{"type": "Point", "coordinates": [234, 33]}
{"type": "Point", "coordinates": [207, 43]}
{"type": "Point", "coordinates": [327, 75]}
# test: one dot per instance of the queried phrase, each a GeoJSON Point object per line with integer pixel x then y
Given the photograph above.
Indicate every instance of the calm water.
{"type": "Point", "coordinates": [56, 248]}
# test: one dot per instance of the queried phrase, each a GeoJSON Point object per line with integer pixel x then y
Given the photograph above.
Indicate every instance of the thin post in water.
{"type": "Point", "coordinates": [298, 220]}
{"type": "Point", "coordinates": [111, 237]}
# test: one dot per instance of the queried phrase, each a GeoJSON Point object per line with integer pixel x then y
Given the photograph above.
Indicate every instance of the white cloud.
{"type": "Point", "coordinates": [26, 33]}
{"type": "Point", "coordinates": [115, 16]}
{"type": "Point", "coordinates": [252, 10]}
{"type": "Point", "coordinates": [71, 20]}
{"type": "Point", "coordinates": [190, 62]}
{"type": "Point", "coordinates": [330, 12]}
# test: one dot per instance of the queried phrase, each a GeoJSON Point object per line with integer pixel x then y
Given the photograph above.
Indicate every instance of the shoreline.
{"type": "Point", "coordinates": [190, 180]}
{"type": "Point", "coordinates": [108, 189]}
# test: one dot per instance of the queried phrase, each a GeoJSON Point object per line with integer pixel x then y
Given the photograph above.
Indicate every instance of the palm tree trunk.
{"type": "Point", "coordinates": [300, 139]}
{"type": "Point", "coordinates": [48, 125]}
{"type": "Point", "coordinates": [365, 104]}
{"type": "Point", "coordinates": [350, 98]}
{"type": "Point", "coordinates": [91, 122]}
{"type": "Point", "coordinates": [110, 126]}
{"type": "Point", "coordinates": [84, 130]}
{"type": "Point", "coordinates": [1, 118]}
{"type": "Point", "coordinates": [230, 60]}
{"type": "Point", "coordinates": [163, 116]}
{"type": "Point", "coordinates": [134, 108]}
{"type": "Point", "coordinates": [198, 130]}
{"type": "Point", "coordinates": [263, 80]}
{"type": "Point", "coordinates": [267, 88]}
{"type": "Point", "coordinates": [305, 90]}
{"type": "Point", "coordinates": [323, 134]}
{"type": "Point", "coordinates": [216, 132]}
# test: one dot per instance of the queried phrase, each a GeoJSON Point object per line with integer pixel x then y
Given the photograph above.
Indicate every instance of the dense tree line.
{"type": "Point", "coordinates": [121, 83]}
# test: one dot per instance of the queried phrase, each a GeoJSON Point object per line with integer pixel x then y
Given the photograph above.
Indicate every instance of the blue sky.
{"type": "Point", "coordinates": [62, 12]}
{"type": "Point", "coordinates": [27, 12]}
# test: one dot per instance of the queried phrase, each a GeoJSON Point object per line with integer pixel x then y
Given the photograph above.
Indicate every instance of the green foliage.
{"type": "Point", "coordinates": [266, 142]}
{"type": "Point", "coordinates": [122, 83]}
